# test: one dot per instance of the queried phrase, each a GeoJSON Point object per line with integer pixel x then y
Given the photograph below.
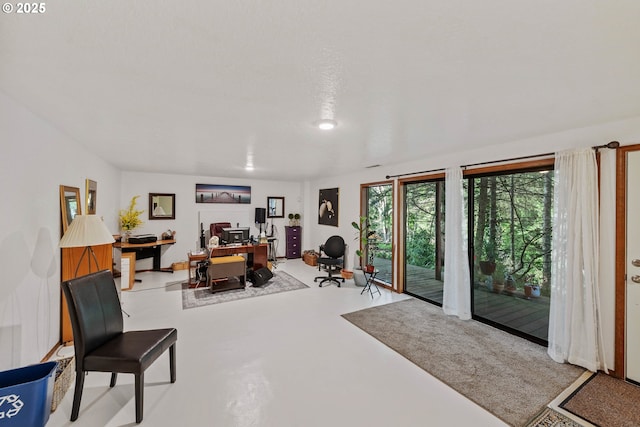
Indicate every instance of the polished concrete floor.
{"type": "Point", "coordinates": [279, 360]}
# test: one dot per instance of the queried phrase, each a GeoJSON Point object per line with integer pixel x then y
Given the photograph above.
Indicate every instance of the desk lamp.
{"type": "Point", "coordinates": [87, 231]}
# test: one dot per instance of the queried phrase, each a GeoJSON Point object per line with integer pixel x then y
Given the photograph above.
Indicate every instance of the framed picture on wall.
{"type": "Point", "coordinates": [275, 207]}
{"type": "Point", "coordinates": [91, 196]}
{"type": "Point", "coordinates": [328, 206]}
{"type": "Point", "coordinates": [212, 193]}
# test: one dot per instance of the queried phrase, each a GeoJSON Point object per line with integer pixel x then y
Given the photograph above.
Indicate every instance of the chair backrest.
{"type": "Point", "coordinates": [215, 229]}
{"type": "Point", "coordinates": [95, 312]}
{"type": "Point", "coordinates": [334, 247]}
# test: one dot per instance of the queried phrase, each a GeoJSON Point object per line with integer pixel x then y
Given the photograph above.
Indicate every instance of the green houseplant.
{"type": "Point", "coordinates": [294, 219]}
{"type": "Point", "coordinates": [368, 240]}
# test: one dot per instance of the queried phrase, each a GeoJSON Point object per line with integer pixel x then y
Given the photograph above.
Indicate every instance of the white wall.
{"type": "Point", "coordinates": [190, 214]}
{"type": "Point", "coordinates": [36, 159]}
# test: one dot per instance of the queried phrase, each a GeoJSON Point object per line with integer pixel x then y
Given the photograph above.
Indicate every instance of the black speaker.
{"type": "Point", "coordinates": [261, 215]}
{"type": "Point", "coordinates": [261, 276]}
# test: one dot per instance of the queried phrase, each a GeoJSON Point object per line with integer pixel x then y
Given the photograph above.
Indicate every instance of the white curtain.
{"type": "Point", "coordinates": [457, 295]}
{"type": "Point", "coordinates": [575, 334]}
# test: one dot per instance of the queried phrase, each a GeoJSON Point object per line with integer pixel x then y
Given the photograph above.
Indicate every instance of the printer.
{"type": "Point", "coordinates": [143, 238]}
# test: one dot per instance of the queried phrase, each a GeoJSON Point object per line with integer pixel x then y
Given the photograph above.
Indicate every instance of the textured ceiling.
{"type": "Point", "coordinates": [202, 87]}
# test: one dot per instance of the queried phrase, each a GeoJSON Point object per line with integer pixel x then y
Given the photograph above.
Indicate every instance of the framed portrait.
{"type": "Point", "coordinates": [275, 207]}
{"type": "Point", "coordinates": [91, 194]}
{"type": "Point", "coordinates": [162, 206]}
{"type": "Point", "coordinates": [328, 206]}
{"type": "Point", "coordinates": [208, 193]}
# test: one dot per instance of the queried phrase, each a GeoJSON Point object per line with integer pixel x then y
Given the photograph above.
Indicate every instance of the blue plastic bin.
{"type": "Point", "coordinates": [25, 395]}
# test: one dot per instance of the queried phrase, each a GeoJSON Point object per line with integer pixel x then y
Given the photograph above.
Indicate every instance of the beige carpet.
{"type": "Point", "coordinates": [510, 377]}
{"type": "Point", "coordinates": [605, 401]}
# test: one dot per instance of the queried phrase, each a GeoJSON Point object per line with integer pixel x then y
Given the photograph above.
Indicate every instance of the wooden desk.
{"type": "Point", "coordinates": [259, 253]}
{"type": "Point", "coordinates": [147, 250]}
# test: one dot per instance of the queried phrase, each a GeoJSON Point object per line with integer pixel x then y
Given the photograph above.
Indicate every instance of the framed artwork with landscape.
{"type": "Point", "coordinates": [212, 193]}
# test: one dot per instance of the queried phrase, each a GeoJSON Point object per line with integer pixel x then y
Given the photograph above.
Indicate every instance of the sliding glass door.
{"type": "Point", "coordinates": [424, 239]}
{"type": "Point", "coordinates": [511, 246]}
{"type": "Point", "coordinates": [378, 201]}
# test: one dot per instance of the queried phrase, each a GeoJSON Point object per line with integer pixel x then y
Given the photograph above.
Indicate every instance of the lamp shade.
{"type": "Point", "coordinates": [86, 230]}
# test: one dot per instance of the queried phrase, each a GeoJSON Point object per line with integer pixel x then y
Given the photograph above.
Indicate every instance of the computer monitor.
{"type": "Point", "coordinates": [238, 235]}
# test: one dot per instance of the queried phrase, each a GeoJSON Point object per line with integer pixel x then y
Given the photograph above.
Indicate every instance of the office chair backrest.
{"type": "Point", "coordinates": [95, 311]}
{"type": "Point", "coordinates": [334, 247]}
{"type": "Point", "coordinates": [215, 229]}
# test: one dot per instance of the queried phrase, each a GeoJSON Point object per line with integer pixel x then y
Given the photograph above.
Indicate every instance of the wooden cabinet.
{"type": "Point", "coordinates": [69, 258]}
{"type": "Point", "coordinates": [294, 241]}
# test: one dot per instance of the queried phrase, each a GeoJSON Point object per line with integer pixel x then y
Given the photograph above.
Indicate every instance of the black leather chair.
{"type": "Point", "coordinates": [334, 249]}
{"type": "Point", "coordinates": [100, 342]}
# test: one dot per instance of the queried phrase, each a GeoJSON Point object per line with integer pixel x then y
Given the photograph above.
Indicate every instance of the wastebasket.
{"type": "Point", "coordinates": [25, 395]}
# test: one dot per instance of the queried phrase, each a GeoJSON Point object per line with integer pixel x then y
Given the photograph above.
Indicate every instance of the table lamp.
{"type": "Point", "coordinates": [87, 231]}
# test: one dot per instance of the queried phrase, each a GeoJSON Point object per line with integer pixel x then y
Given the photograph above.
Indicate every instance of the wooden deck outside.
{"type": "Point", "coordinates": [529, 316]}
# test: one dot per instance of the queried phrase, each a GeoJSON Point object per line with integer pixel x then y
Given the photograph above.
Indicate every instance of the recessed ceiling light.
{"type": "Point", "coordinates": [248, 167]}
{"type": "Point", "coordinates": [327, 124]}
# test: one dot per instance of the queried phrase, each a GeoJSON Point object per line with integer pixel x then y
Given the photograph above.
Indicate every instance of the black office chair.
{"type": "Point", "coordinates": [100, 343]}
{"type": "Point", "coordinates": [334, 249]}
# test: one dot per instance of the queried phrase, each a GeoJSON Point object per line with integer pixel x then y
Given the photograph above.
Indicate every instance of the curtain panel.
{"type": "Point", "coordinates": [456, 299]}
{"type": "Point", "coordinates": [575, 333]}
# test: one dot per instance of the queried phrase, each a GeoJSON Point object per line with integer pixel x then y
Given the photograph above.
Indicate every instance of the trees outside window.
{"type": "Point", "coordinates": [511, 249]}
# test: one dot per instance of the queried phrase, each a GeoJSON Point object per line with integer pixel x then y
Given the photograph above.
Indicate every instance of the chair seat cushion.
{"type": "Point", "coordinates": [130, 352]}
{"type": "Point", "coordinates": [226, 259]}
{"type": "Point", "coordinates": [330, 261]}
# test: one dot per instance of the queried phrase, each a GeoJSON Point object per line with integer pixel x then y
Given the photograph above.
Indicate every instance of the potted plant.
{"type": "Point", "coordinates": [510, 284]}
{"type": "Point", "coordinates": [294, 219]}
{"type": "Point", "coordinates": [488, 266]}
{"type": "Point", "coordinates": [368, 240]}
{"type": "Point", "coordinates": [130, 218]}
{"type": "Point", "coordinates": [531, 291]}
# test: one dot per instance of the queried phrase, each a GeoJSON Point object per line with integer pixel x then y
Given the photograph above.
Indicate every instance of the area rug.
{"type": "Point", "coordinates": [605, 401]}
{"type": "Point", "coordinates": [551, 418]}
{"type": "Point", "coordinates": [281, 282]}
{"type": "Point", "coordinates": [510, 377]}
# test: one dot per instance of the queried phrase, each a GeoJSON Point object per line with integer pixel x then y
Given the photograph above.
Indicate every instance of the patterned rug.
{"type": "Point", "coordinates": [551, 418]}
{"type": "Point", "coordinates": [281, 282]}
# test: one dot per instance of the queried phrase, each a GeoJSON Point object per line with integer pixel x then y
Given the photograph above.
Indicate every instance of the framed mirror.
{"type": "Point", "coordinates": [69, 205]}
{"type": "Point", "coordinates": [162, 206]}
{"type": "Point", "coordinates": [275, 207]}
{"type": "Point", "coordinates": [91, 195]}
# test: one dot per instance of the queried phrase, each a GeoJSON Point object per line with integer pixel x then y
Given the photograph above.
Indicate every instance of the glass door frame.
{"type": "Point", "coordinates": [394, 226]}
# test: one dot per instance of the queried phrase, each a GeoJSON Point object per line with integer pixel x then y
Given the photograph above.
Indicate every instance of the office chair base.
{"type": "Point", "coordinates": [329, 279]}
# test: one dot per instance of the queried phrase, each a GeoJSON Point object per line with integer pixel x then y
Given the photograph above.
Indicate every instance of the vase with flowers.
{"type": "Point", "coordinates": [130, 219]}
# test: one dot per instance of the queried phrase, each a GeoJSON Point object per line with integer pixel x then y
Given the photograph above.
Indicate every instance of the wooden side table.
{"type": "Point", "coordinates": [194, 259]}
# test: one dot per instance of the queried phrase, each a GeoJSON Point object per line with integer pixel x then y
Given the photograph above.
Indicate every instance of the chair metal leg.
{"type": "Point", "coordinates": [139, 385]}
{"type": "Point", "coordinates": [114, 377]}
{"type": "Point", "coordinates": [172, 362]}
{"type": "Point", "coordinates": [77, 395]}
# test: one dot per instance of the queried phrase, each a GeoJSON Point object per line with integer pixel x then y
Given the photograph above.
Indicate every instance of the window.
{"type": "Point", "coordinates": [378, 204]}
{"type": "Point", "coordinates": [510, 242]}
{"type": "Point", "coordinates": [424, 239]}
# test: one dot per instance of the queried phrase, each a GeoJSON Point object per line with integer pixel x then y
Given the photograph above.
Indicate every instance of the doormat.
{"type": "Point", "coordinates": [605, 401]}
{"type": "Point", "coordinates": [510, 377]}
{"type": "Point", "coordinates": [280, 282]}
